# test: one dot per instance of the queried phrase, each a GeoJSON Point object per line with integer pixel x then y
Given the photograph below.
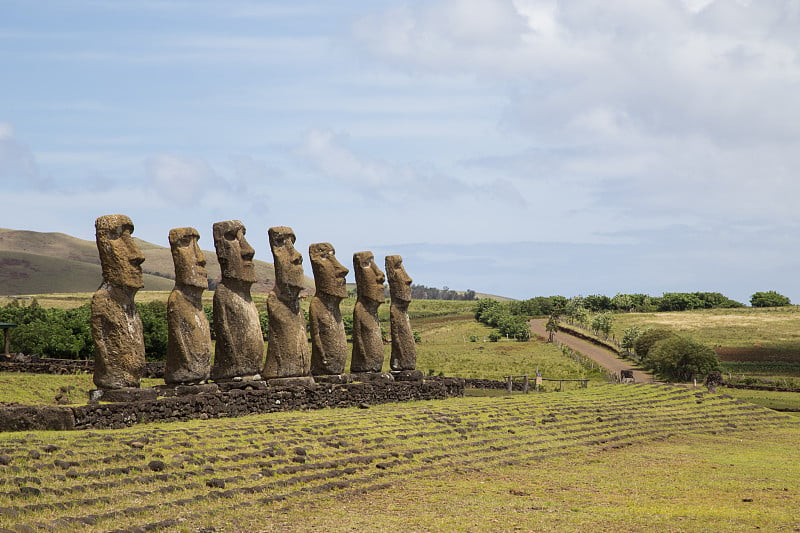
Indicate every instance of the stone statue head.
{"type": "Point", "coordinates": [190, 263]}
{"type": "Point", "coordinates": [399, 280]}
{"type": "Point", "coordinates": [287, 260]}
{"type": "Point", "coordinates": [120, 257]}
{"type": "Point", "coordinates": [329, 273]}
{"type": "Point", "coordinates": [369, 278]}
{"type": "Point", "coordinates": [234, 253]}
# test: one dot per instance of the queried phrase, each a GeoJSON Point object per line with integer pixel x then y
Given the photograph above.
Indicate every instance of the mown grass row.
{"type": "Point", "coordinates": [185, 476]}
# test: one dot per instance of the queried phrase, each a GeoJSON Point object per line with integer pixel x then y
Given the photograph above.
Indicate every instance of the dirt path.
{"type": "Point", "coordinates": [601, 356]}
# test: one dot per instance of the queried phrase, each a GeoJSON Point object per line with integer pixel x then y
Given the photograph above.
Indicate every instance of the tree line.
{"type": "Point", "coordinates": [421, 292]}
{"type": "Point", "coordinates": [639, 303]}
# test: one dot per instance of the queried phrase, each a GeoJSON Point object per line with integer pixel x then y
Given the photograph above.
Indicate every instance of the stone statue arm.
{"type": "Point", "coordinates": [314, 326]}
{"type": "Point", "coordinates": [100, 325]}
{"type": "Point", "coordinates": [174, 323]}
{"type": "Point", "coordinates": [220, 319]}
{"type": "Point", "coordinates": [358, 339]}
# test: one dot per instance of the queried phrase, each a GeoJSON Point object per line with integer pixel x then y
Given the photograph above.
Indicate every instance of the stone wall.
{"type": "Point", "coordinates": [494, 384]}
{"type": "Point", "coordinates": [224, 404]}
{"type": "Point", "coordinates": [45, 365]}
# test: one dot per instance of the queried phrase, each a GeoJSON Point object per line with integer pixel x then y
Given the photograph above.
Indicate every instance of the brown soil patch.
{"type": "Point", "coordinates": [758, 354]}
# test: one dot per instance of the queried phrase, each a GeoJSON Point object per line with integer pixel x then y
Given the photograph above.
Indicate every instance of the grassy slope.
{"type": "Point", "coordinates": [614, 458]}
{"type": "Point", "coordinates": [776, 329]}
{"type": "Point", "coordinates": [25, 273]}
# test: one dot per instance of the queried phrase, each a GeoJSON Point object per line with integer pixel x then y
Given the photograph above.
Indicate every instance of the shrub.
{"type": "Point", "coordinates": [630, 336]}
{"type": "Point", "coordinates": [494, 336]}
{"type": "Point", "coordinates": [154, 327]}
{"type": "Point", "coordinates": [681, 358]}
{"type": "Point", "coordinates": [417, 336]}
{"type": "Point", "coordinates": [647, 339]}
{"type": "Point", "coordinates": [769, 299]}
{"type": "Point", "coordinates": [601, 323]}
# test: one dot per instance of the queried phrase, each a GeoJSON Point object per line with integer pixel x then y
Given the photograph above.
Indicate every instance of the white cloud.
{"type": "Point", "coordinates": [396, 183]}
{"type": "Point", "coordinates": [19, 168]}
{"type": "Point", "coordinates": [180, 180]}
{"type": "Point", "coordinates": [659, 110]}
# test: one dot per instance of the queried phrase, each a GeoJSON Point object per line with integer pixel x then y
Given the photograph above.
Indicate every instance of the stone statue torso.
{"type": "Point", "coordinates": [287, 351]}
{"type": "Point", "coordinates": [240, 344]}
{"type": "Point", "coordinates": [189, 343]}
{"type": "Point", "coordinates": [119, 342]}
{"type": "Point", "coordinates": [367, 341]}
{"type": "Point", "coordinates": [328, 338]}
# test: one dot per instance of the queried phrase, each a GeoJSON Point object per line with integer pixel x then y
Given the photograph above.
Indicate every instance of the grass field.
{"type": "Point", "coordinates": [780, 400]}
{"type": "Point", "coordinates": [611, 458]}
{"type": "Point", "coordinates": [776, 329]}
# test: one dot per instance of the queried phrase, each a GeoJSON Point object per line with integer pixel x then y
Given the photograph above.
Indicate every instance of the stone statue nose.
{"type": "Point", "coordinates": [247, 251]}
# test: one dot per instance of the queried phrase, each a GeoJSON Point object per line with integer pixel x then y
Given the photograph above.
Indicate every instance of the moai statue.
{"type": "Point", "coordinates": [328, 339]}
{"type": "Point", "coordinates": [116, 327]}
{"type": "Point", "coordinates": [287, 352]}
{"type": "Point", "coordinates": [239, 351]}
{"type": "Point", "coordinates": [404, 350]}
{"type": "Point", "coordinates": [367, 339]}
{"type": "Point", "coordinates": [188, 333]}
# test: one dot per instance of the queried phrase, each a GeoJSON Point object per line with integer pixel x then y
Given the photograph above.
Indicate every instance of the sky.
{"type": "Point", "coordinates": [511, 147]}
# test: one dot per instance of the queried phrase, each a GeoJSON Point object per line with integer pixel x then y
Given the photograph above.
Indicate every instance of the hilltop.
{"type": "Point", "coordinates": [33, 262]}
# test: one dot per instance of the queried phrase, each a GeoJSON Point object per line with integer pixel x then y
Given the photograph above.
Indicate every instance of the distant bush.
{"type": "Point", "coordinates": [629, 337]}
{"type": "Point", "coordinates": [682, 358]}
{"type": "Point", "coordinates": [646, 340]}
{"type": "Point", "coordinates": [499, 315]}
{"type": "Point", "coordinates": [769, 299]}
{"type": "Point", "coordinates": [494, 336]}
{"type": "Point", "coordinates": [49, 332]}
{"type": "Point", "coordinates": [154, 329]}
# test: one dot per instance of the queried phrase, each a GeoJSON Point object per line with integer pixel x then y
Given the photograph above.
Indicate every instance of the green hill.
{"type": "Point", "coordinates": [24, 273]}
{"type": "Point", "coordinates": [33, 262]}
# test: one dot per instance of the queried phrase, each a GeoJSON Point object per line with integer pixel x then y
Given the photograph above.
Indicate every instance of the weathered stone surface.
{"type": "Point", "coordinates": [239, 349]}
{"type": "Point", "coordinates": [334, 378]}
{"type": "Point", "coordinates": [183, 390]}
{"type": "Point", "coordinates": [368, 377]}
{"type": "Point", "coordinates": [408, 375]}
{"type": "Point", "coordinates": [115, 323]}
{"type": "Point", "coordinates": [328, 338]}
{"type": "Point", "coordinates": [188, 332]}
{"type": "Point", "coordinates": [130, 394]}
{"type": "Point", "coordinates": [36, 417]}
{"type": "Point", "coordinates": [367, 338]}
{"type": "Point", "coordinates": [287, 352]}
{"type": "Point", "coordinates": [245, 384]}
{"type": "Point", "coordinates": [298, 381]}
{"type": "Point", "coordinates": [404, 349]}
